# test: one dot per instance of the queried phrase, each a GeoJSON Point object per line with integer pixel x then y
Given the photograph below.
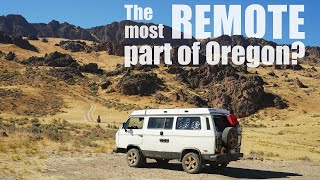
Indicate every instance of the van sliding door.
{"type": "Point", "coordinates": [157, 139]}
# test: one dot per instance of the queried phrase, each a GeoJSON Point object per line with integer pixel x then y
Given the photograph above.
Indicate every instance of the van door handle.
{"type": "Point", "coordinates": [161, 133]}
{"type": "Point", "coordinates": [140, 135]}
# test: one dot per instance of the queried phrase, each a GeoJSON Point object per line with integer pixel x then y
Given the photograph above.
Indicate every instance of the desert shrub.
{"type": "Point", "coordinates": [87, 141]}
{"type": "Point", "coordinates": [8, 76]}
{"type": "Point", "coordinates": [7, 125]}
{"type": "Point", "coordinates": [256, 153]}
{"type": "Point", "coordinates": [270, 154]}
{"type": "Point", "coordinates": [16, 158]}
{"type": "Point", "coordinates": [55, 131]}
{"type": "Point", "coordinates": [304, 158]}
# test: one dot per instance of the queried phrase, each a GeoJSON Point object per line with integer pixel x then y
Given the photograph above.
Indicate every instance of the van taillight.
{"type": "Point", "coordinates": [233, 120]}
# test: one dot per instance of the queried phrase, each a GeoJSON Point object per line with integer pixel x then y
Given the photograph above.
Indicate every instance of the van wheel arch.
{"type": "Point", "coordinates": [188, 150]}
{"type": "Point", "coordinates": [133, 146]}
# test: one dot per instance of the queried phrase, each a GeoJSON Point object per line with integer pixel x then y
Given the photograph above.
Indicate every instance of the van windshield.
{"type": "Point", "coordinates": [221, 122]}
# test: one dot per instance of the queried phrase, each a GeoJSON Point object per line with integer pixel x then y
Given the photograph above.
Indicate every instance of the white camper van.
{"type": "Point", "coordinates": [196, 137]}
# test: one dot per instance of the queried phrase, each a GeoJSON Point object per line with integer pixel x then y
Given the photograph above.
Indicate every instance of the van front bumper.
{"type": "Point", "coordinates": [221, 158]}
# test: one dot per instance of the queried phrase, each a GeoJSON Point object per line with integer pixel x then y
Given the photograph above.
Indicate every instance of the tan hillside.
{"type": "Point", "coordinates": [28, 92]}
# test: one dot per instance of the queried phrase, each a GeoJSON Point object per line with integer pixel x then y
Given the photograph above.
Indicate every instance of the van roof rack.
{"type": "Point", "coordinates": [196, 111]}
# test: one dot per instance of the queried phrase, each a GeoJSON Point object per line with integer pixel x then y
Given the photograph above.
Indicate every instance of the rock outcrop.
{"type": "Point", "coordinates": [55, 59]}
{"type": "Point", "coordinates": [243, 95]}
{"type": "Point", "coordinates": [16, 40]}
{"type": "Point", "coordinates": [32, 37]}
{"type": "Point", "coordinates": [91, 68]}
{"type": "Point", "coordinates": [298, 83]}
{"type": "Point", "coordinates": [65, 73]}
{"type": "Point", "coordinates": [10, 56]}
{"type": "Point", "coordinates": [18, 25]}
{"type": "Point", "coordinates": [141, 84]}
{"type": "Point", "coordinates": [75, 46]}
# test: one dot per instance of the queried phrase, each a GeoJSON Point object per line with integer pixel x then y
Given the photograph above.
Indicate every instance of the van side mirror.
{"type": "Point", "coordinates": [124, 126]}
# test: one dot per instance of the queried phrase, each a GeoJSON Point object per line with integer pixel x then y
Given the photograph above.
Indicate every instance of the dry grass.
{"type": "Point", "coordinates": [291, 133]}
{"type": "Point", "coordinates": [31, 141]}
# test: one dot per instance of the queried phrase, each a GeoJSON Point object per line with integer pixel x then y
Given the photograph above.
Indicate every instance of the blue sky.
{"type": "Point", "coordinates": [100, 12]}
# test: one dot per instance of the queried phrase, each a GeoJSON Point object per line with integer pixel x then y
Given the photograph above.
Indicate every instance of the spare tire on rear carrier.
{"type": "Point", "coordinates": [230, 138]}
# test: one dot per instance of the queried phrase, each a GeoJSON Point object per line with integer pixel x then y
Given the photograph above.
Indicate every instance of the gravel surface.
{"type": "Point", "coordinates": [113, 166]}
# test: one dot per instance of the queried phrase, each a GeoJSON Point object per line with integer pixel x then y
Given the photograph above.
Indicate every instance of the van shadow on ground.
{"type": "Point", "coordinates": [231, 172]}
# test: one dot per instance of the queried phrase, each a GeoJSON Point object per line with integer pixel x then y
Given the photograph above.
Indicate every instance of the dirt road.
{"type": "Point", "coordinates": [88, 113]}
{"type": "Point", "coordinates": [113, 166]}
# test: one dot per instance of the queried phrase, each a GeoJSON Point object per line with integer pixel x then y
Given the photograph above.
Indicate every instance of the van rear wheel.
{"type": "Point", "coordinates": [135, 158]}
{"type": "Point", "coordinates": [191, 163]}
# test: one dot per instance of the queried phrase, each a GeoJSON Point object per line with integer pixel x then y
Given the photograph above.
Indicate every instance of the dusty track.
{"type": "Point", "coordinates": [113, 166]}
{"type": "Point", "coordinates": [88, 113]}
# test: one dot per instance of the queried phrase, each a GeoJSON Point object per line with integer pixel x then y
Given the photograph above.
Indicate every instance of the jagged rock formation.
{"type": "Point", "coordinates": [62, 30]}
{"type": "Point", "coordinates": [16, 40]}
{"type": "Point", "coordinates": [18, 25]}
{"type": "Point", "coordinates": [55, 59]}
{"type": "Point", "coordinates": [243, 95]}
{"type": "Point", "coordinates": [75, 46]}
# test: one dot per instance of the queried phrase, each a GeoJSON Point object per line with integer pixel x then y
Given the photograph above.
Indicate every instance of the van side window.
{"type": "Point", "coordinates": [188, 123]}
{"type": "Point", "coordinates": [208, 124]}
{"type": "Point", "coordinates": [135, 123]}
{"type": "Point", "coordinates": [160, 123]}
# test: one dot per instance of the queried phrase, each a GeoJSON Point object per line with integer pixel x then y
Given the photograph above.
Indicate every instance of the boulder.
{"type": "Point", "coordinates": [106, 84]}
{"type": "Point", "coordinates": [91, 68]}
{"type": "Point", "coordinates": [272, 73]}
{"type": "Point", "coordinates": [45, 40]}
{"type": "Point", "coordinates": [299, 84]}
{"type": "Point", "coordinates": [174, 70]}
{"type": "Point", "coordinates": [32, 37]}
{"type": "Point", "coordinates": [10, 56]}
{"type": "Point", "coordinates": [197, 101]}
{"type": "Point", "coordinates": [141, 84]}
{"type": "Point", "coordinates": [161, 98]}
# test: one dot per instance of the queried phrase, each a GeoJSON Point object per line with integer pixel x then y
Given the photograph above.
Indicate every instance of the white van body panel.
{"type": "Point", "coordinates": [172, 140]}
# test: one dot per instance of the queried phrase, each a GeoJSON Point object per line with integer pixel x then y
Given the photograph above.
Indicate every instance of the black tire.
{"type": "Point", "coordinates": [162, 162]}
{"type": "Point", "coordinates": [191, 163]}
{"type": "Point", "coordinates": [230, 137]}
{"type": "Point", "coordinates": [135, 158]}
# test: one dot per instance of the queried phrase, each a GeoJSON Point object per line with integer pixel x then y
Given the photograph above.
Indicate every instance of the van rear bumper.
{"type": "Point", "coordinates": [221, 158]}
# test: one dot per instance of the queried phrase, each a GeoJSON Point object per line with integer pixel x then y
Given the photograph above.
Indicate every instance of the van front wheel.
{"type": "Point", "coordinates": [135, 158]}
{"type": "Point", "coordinates": [191, 163]}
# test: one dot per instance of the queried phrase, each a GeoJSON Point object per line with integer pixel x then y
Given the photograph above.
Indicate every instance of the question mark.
{"type": "Point", "coordinates": [299, 52]}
